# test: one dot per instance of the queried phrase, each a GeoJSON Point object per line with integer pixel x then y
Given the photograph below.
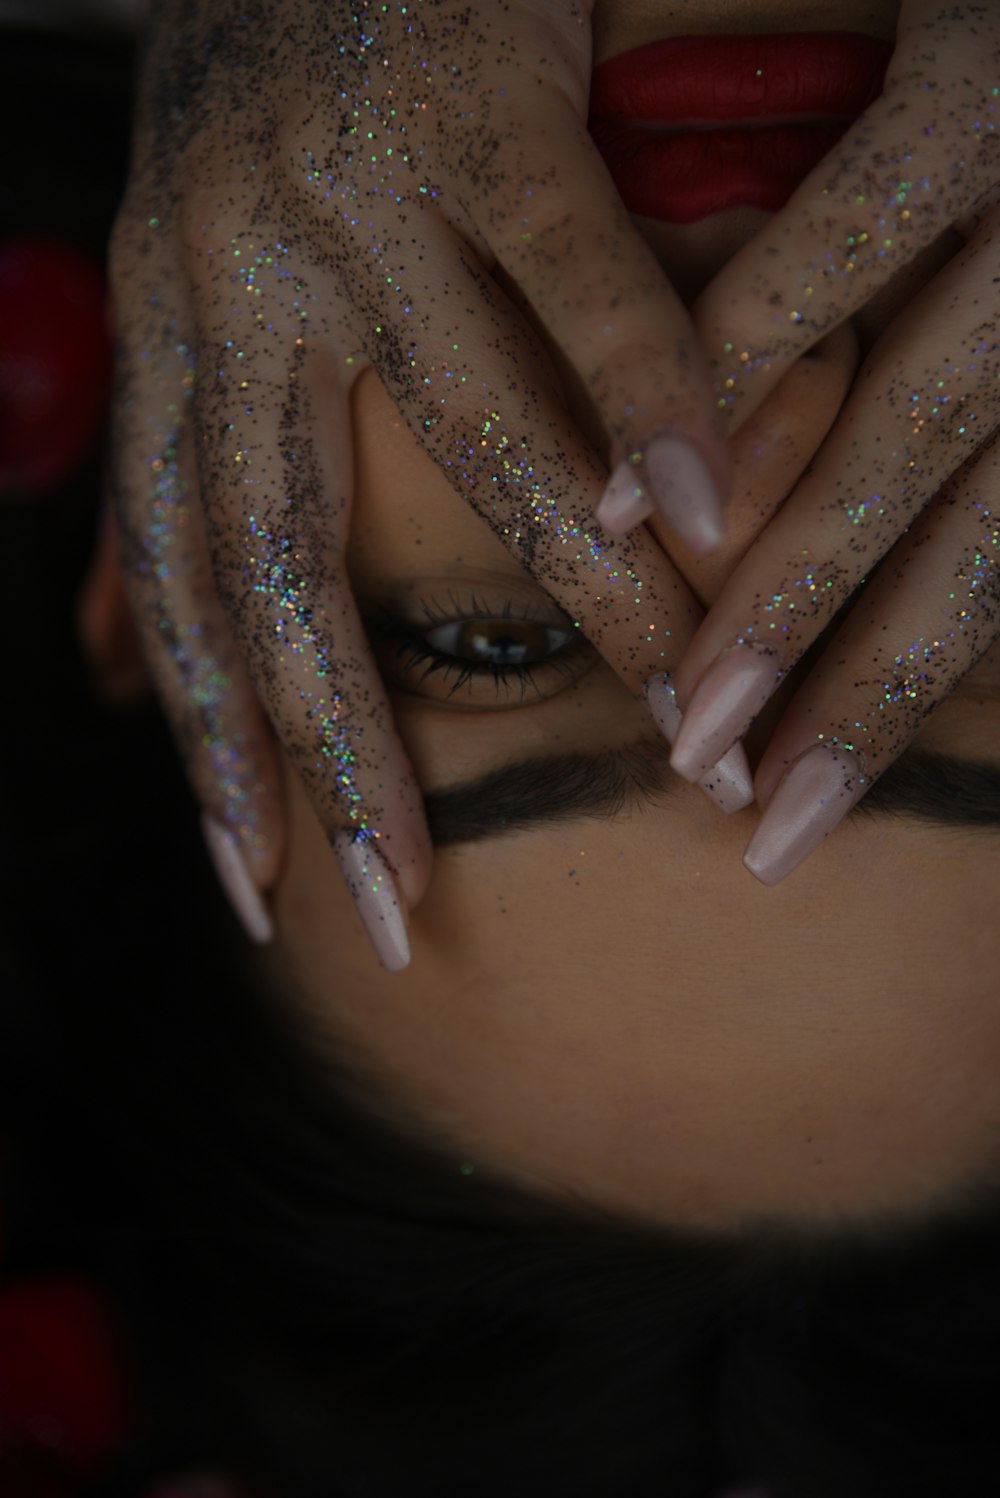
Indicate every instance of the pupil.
{"type": "Point", "coordinates": [502, 644]}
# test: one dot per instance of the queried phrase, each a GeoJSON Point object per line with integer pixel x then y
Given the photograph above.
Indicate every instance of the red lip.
{"type": "Point", "coordinates": [658, 116]}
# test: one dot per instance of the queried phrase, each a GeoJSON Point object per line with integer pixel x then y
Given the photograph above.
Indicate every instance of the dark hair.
{"type": "Point", "coordinates": [327, 1309]}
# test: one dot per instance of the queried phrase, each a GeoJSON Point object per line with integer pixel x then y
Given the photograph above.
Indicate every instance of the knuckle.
{"type": "Point", "coordinates": [529, 219]}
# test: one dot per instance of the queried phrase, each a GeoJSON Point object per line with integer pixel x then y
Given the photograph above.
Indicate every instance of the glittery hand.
{"type": "Point", "coordinates": [322, 188]}
{"type": "Point", "coordinates": [232, 550]}
{"type": "Point", "coordinates": [900, 512]}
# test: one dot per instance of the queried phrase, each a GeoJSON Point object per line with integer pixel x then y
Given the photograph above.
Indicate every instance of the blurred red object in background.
{"type": "Point", "coordinates": [55, 362]}
{"type": "Point", "coordinates": [62, 1411]}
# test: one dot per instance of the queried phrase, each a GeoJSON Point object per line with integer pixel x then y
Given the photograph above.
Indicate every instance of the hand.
{"type": "Point", "coordinates": [325, 187]}
{"type": "Point", "coordinates": [906, 490]}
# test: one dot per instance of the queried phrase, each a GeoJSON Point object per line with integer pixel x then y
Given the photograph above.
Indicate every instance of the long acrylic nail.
{"type": "Point", "coordinates": [243, 894]}
{"type": "Point", "coordinates": [376, 898]}
{"type": "Point", "coordinates": [670, 475]}
{"type": "Point", "coordinates": [722, 708]}
{"type": "Point", "coordinates": [814, 797]}
{"type": "Point", "coordinates": [729, 783]}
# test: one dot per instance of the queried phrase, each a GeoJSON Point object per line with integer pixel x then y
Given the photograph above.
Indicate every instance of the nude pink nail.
{"type": "Point", "coordinates": [375, 897]}
{"type": "Point", "coordinates": [729, 783]}
{"type": "Point", "coordinates": [725, 703]}
{"type": "Point", "coordinates": [625, 501]}
{"type": "Point", "coordinates": [814, 797]}
{"type": "Point", "coordinates": [243, 894]}
{"type": "Point", "coordinates": [685, 492]}
{"type": "Point", "coordinates": [669, 474]}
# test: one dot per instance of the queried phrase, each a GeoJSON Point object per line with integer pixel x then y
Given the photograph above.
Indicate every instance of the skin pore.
{"type": "Point", "coordinates": [610, 1008]}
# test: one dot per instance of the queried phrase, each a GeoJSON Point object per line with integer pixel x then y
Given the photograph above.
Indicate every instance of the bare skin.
{"type": "Point", "coordinates": [614, 1010]}
{"type": "Point", "coordinates": [414, 190]}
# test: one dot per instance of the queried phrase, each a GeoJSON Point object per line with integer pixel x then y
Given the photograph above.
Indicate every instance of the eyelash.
{"type": "Point", "coordinates": [412, 648]}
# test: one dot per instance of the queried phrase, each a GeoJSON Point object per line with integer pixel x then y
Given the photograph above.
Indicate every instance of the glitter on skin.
{"type": "Point", "coordinates": [335, 136]}
{"type": "Point", "coordinates": [934, 423]}
{"type": "Point", "coordinates": [273, 566]}
{"type": "Point", "coordinates": [493, 460]}
{"type": "Point", "coordinates": [498, 459]}
{"type": "Point", "coordinates": [277, 566]}
{"type": "Point", "coordinates": [204, 681]}
{"type": "Point", "coordinates": [802, 592]}
{"type": "Point", "coordinates": [908, 195]}
{"type": "Point", "coordinates": [927, 668]}
{"type": "Point", "coordinates": [974, 592]}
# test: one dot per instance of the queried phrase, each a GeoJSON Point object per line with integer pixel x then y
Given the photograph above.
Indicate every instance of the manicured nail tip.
{"type": "Point", "coordinates": [725, 703]}
{"type": "Point", "coordinates": [624, 503]}
{"type": "Point", "coordinates": [243, 895]}
{"type": "Point", "coordinates": [729, 783]}
{"type": "Point", "coordinates": [814, 797]}
{"type": "Point", "coordinates": [661, 699]}
{"type": "Point", "coordinates": [376, 899]}
{"type": "Point", "coordinates": [679, 480]}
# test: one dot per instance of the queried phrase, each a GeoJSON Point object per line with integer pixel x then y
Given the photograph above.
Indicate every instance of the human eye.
{"type": "Point", "coordinates": [478, 652]}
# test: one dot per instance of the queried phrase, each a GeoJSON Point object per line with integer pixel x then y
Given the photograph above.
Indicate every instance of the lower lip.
{"type": "Point", "coordinates": [683, 176]}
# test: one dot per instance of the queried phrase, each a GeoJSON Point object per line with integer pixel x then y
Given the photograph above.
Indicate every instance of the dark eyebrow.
{"type": "Point", "coordinates": [546, 791]}
{"type": "Point", "coordinates": [938, 788]}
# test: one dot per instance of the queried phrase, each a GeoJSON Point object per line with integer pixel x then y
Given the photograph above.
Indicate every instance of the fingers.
{"type": "Point", "coordinates": [482, 404]}
{"type": "Point", "coordinates": [551, 216]}
{"type": "Point", "coordinates": [931, 611]}
{"type": "Point", "coordinates": [770, 454]}
{"type": "Point", "coordinates": [912, 419]}
{"type": "Point", "coordinates": [276, 473]}
{"type": "Point", "coordinates": [223, 738]}
{"type": "Point", "coordinates": [925, 155]}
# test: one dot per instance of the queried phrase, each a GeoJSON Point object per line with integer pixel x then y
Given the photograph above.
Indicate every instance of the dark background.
{"type": "Point", "coordinates": [106, 898]}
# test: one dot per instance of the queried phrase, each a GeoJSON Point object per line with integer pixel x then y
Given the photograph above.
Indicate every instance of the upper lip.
{"type": "Point", "coordinates": [693, 82]}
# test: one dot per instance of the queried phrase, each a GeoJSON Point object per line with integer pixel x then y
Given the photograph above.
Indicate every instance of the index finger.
{"type": "Point", "coordinates": [550, 214]}
{"type": "Point", "coordinates": [924, 154]}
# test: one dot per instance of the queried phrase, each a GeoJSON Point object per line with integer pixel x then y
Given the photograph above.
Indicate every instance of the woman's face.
{"type": "Point", "coordinates": [606, 1006]}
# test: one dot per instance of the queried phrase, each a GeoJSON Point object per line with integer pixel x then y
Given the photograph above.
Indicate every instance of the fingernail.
{"type": "Point", "coordinates": [625, 501]}
{"type": "Point", "coordinates": [242, 893]}
{"type": "Point", "coordinates": [375, 896]}
{"type": "Point", "coordinates": [725, 703]}
{"type": "Point", "coordinates": [815, 795]}
{"type": "Point", "coordinates": [729, 783]}
{"type": "Point", "coordinates": [670, 475]}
